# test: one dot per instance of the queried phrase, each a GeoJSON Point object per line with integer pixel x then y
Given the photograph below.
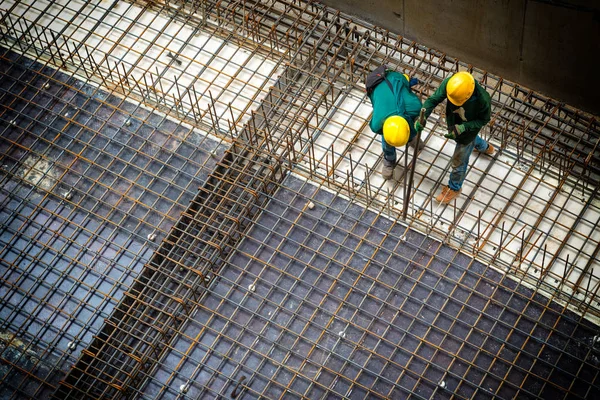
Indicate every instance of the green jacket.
{"type": "Point", "coordinates": [477, 111]}
{"type": "Point", "coordinates": [402, 101]}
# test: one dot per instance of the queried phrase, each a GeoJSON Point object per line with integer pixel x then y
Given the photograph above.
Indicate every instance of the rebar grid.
{"type": "Point", "coordinates": [338, 280]}
{"type": "Point", "coordinates": [547, 147]}
{"type": "Point", "coordinates": [562, 166]}
{"type": "Point", "coordinates": [314, 122]}
{"type": "Point", "coordinates": [88, 183]}
{"type": "Point", "coordinates": [151, 68]}
{"type": "Point", "coordinates": [135, 338]}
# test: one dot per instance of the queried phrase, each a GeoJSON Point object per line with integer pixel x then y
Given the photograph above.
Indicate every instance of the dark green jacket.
{"type": "Point", "coordinates": [477, 111]}
{"type": "Point", "coordinates": [402, 101]}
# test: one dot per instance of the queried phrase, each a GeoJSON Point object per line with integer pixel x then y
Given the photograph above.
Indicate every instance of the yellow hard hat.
{"type": "Point", "coordinates": [396, 131]}
{"type": "Point", "coordinates": [406, 76]}
{"type": "Point", "coordinates": [460, 88]}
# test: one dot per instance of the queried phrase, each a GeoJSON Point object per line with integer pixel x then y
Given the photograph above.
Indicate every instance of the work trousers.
{"type": "Point", "coordinates": [460, 161]}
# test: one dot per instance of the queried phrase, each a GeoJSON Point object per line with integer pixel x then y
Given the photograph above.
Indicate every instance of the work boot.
{"type": "Point", "coordinates": [387, 170]}
{"type": "Point", "coordinates": [489, 151]}
{"type": "Point", "coordinates": [421, 144]}
{"type": "Point", "coordinates": [447, 195]}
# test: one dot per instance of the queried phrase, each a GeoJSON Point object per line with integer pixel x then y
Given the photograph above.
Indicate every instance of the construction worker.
{"type": "Point", "coordinates": [467, 111]}
{"type": "Point", "coordinates": [395, 108]}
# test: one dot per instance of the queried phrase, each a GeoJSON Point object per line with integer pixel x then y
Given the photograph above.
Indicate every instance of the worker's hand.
{"type": "Point", "coordinates": [413, 82]}
{"type": "Point", "coordinates": [450, 135]}
{"type": "Point", "coordinates": [419, 127]}
{"type": "Point", "coordinates": [454, 132]}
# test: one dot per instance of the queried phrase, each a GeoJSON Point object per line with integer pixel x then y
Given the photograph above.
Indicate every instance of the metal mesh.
{"type": "Point", "coordinates": [89, 184]}
{"type": "Point", "coordinates": [258, 284]}
{"type": "Point", "coordinates": [339, 301]}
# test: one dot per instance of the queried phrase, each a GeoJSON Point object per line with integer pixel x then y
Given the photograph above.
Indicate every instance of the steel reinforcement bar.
{"type": "Point", "coordinates": [132, 341]}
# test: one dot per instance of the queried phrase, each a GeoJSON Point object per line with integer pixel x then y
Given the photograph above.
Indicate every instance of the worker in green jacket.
{"type": "Point", "coordinates": [467, 111]}
{"type": "Point", "coordinates": [395, 108]}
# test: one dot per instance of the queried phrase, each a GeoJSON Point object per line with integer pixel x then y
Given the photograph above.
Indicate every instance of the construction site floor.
{"type": "Point", "coordinates": [90, 184]}
{"type": "Point", "coordinates": [340, 302]}
{"type": "Point", "coordinates": [191, 207]}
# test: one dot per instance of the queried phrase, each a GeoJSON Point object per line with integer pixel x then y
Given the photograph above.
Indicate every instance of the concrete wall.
{"type": "Point", "coordinates": [548, 45]}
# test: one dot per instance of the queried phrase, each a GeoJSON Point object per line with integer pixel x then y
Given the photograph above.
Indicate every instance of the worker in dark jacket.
{"type": "Point", "coordinates": [395, 109]}
{"type": "Point", "coordinates": [467, 111]}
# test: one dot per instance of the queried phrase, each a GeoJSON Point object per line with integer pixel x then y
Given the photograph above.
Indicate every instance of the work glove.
{"type": "Point", "coordinates": [455, 132]}
{"type": "Point", "coordinates": [419, 127]}
{"type": "Point", "coordinates": [413, 82]}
